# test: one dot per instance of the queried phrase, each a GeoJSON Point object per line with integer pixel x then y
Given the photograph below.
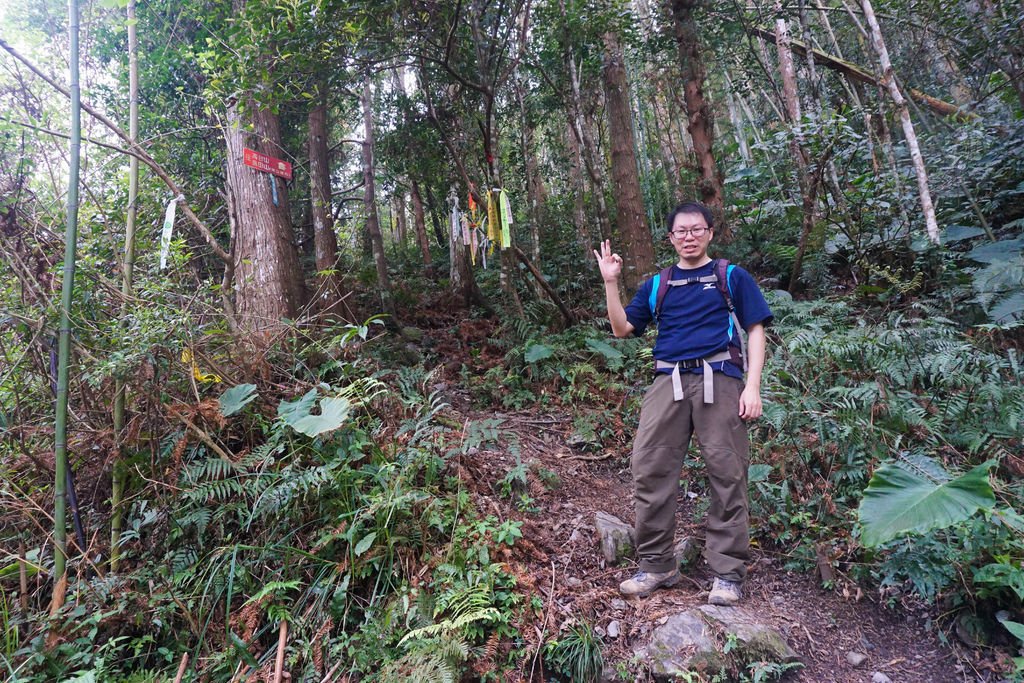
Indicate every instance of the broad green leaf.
{"type": "Point", "coordinates": [1010, 518]}
{"type": "Point", "coordinates": [236, 398]}
{"type": "Point", "coordinates": [955, 233]}
{"type": "Point", "coordinates": [758, 472]}
{"type": "Point", "coordinates": [14, 568]}
{"type": "Point", "coordinates": [605, 349]}
{"type": "Point", "coordinates": [365, 543]}
{"type": "Point", "coordinates": [290, 411]}
{"type": "Point", "coordinates": [1013, 627]}
{"type": "Point", "coordinates": [538, 352]}
{"type": "Point", "coordinates": [1003, 250]}
{"type": "Point", "coordinates": [1001, 575]}
{"type": "Point", "coordinates": [898, 502]}
{"type": "Point", "coordinates": [333, 413]}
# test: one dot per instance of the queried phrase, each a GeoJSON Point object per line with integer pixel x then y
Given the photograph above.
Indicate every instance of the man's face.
{"type": "Point", "coordinates": [690, 236]}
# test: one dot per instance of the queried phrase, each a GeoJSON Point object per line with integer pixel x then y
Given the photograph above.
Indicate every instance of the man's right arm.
{"type": "Point", "coordinates": [611, 267]}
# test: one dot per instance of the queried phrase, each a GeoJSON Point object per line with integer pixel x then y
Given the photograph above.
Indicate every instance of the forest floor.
{"type": "Point", "coordinates": [560, 554]}
{"type": "Point", "coordinates": [559, 560]}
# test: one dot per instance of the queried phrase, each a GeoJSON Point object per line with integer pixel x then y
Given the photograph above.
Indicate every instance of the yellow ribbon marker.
{"type": "Point", "coordinates": [493, 222]}
{"type": "Point", "coordinates": [186, 357]}
{"type": "Point", "coordinates": [506, 219]}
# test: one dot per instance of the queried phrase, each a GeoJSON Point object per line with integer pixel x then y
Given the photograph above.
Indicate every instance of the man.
{"type": "Point", "coordinates": [698, 387]}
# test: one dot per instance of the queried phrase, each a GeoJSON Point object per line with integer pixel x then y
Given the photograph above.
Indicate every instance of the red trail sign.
{"type": "Point", "coordinates": [267, 164]}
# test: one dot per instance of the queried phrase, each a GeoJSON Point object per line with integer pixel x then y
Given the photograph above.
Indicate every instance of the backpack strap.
{"type": "Point", "coordinates": [723, 270]}
{"type": "Point", "coordinates": [659, 287]}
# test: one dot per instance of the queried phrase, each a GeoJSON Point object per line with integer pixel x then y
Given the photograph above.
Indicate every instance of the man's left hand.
{"type": "Point", "coordinates": [750, 403]}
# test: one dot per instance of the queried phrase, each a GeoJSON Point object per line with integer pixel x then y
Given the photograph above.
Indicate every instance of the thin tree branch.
{"type": "Point", "coordinates": [135, 147]}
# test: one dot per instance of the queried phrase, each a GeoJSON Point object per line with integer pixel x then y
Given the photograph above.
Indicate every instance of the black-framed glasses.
{"type": "Point", "coordinates": [696, 232]}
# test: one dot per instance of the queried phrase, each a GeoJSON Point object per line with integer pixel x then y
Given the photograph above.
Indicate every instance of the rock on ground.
{"type": "Point", "coordinates": [711, 639]}
{"type": "Point", "coordinates": [615, 536]}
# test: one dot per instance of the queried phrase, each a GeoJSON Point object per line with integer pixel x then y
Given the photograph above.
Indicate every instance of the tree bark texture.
{"type": "Point", "coordinates": [267, 277]}
{"type": "Point", "coordinates": [370, 204]}
{"type": "Point", "coordinates": [591, 158]}
{"type": "Point", "coordinates": [325, 242]}
{"type": "Point", "coordinates": [400, 226]}
{"type": "Point", "coordinates": [579, 210]}
{"type": "Point", "coordinates": [698, 110]}
{"type": "Point", "coordinates": [420, 224]}
{"type": "Point", "coordinates": [631, 219]}
{"type": "Point", "coordinates": [536, 193]}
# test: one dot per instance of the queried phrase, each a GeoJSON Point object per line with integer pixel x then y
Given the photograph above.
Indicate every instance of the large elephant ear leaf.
{"type": "Point", "coordinates": [899, 501]}
{"type": "Point", "coordinates": [236, 398]}
{"type": "Point", "coordinates": [333, 413]}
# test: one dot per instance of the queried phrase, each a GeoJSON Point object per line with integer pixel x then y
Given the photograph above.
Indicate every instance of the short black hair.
{"type": "Point", "coordinates": [689, 207]}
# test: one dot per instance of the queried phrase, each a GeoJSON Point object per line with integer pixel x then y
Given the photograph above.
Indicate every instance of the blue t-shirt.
{"type": "Point", "coordinates": [695, 321]}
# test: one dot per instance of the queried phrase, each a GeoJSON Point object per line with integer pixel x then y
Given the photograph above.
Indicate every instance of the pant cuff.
{"type": "Point", "coordinates": [657, 567]}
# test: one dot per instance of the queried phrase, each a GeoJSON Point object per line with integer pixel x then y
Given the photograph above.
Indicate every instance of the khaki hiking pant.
{"type": "Point", "coordinates": [658, 451]}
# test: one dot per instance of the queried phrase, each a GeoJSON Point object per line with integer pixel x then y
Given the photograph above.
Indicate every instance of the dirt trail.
{"type": "Point", "coordinates": [559, 552]}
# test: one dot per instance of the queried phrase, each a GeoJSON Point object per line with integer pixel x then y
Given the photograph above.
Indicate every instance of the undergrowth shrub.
{"type": "Point", "coordinates": [844, 393]}
{"type": "Point", "coordinates": [599, 378]}
{"type": "Point", "coordinates": [339, 516]}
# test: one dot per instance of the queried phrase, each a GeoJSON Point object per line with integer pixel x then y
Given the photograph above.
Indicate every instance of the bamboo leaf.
{"type": "Point", "coordinates": [365, 543]}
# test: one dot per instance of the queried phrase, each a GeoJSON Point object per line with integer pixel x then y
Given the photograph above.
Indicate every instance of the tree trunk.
{"type": "Point", "coordinates": [791, 102]}
{"type": "Point", "coordinates": [634, 235]}
{"type": "Point", "coordinates": [698, 111]}
{"type": "Point", "coordinates": [267, 277]}
{"type": "Point", "coordinates": [535, 190]}
{"type": "Point", "coordinates": [434, 220]}
{"type": "Point", "coordinates": [400, 217]}
{"type": "Point", "coordinates": [325, 242]}
{"type": "Point", "coordinates": [370, 205]}
{"type": "Point", "coordinates": [739, 130]}
{"type": "Point", "coordinates": [592, 160]}
{"type": "Point", "coordinates": [888, 79]}
{"type": "Point", "coordinates": [420, 223]}
{"type": "Point", "coordinates": [459, 273]}
{"type": "Point", "coordinates": [579, 213]}
{"type": "Point", "coordinates": [666, 124]}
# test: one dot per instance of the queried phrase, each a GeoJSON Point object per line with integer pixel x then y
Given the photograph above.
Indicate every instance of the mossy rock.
{"type": "Point", "coordinates": [714, 642]}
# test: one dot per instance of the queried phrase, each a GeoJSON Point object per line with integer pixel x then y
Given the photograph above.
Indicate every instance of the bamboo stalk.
{"type": "Point", "coordinates": [22, 578]}
{"type": "Point", "coordinates": [327, 678]}
{"type": "Point", "coordinates": [282, 639]}
{"type": "Point", "coordinates": [128, 268]}
{"type": "Point", "coordinates": [64, 334]}
{"type": "Point", "coordinates": [182, 667]}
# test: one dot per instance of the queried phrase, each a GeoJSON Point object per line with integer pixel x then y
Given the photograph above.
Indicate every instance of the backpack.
{"type": "Point", "coordinates": [722, 269]}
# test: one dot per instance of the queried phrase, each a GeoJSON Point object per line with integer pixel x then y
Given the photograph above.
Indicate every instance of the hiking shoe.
{"type": "Point", "coordinates": [646, 582]}
{"type": "Point", "coordinates": [725, 593]}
